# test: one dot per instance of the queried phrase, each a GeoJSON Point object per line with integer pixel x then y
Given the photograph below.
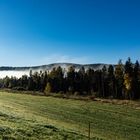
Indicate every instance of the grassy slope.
{"type": "Point", "coordinates": [35, 117]}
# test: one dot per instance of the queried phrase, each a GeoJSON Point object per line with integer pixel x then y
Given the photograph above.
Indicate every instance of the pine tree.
{"type": "Point", "coordinates": [56, 79]}
{"type": "Point", "coordinates": [119, 74]}
{"type": "Point", "coordinates": [91, 81]}
{"type": "Point", "coordinates": [103, 80]}
{"type": "Point", "coordinates": [111, 81]}
{"type": "Point", "coordinates": [59, 77]}
{"type": "Point", "coordinates": [129, 67]}
{"type": "Point", "coordinates": [136, 80]}
{"type": "Point", "coordinates": [71, 79]}
{"type": "Point", "coordinates": [80, 81]}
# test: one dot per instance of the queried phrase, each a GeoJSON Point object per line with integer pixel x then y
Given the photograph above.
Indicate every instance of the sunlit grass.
{"type": "Point", "coordinates": [37, 117]}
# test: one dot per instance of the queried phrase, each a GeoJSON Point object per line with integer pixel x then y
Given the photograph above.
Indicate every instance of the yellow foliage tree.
{"type": "Point", "coordinates": [48, 88]}
{"type": "Point", "coordinates": [128, 84]}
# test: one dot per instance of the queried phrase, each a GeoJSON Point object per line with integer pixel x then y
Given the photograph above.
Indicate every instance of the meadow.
{"type": "Point", "coordinates": [31, 117]}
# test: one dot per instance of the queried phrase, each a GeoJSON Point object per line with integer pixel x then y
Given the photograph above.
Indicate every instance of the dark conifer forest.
{"type": "Point", "coordinates": [121, 81]}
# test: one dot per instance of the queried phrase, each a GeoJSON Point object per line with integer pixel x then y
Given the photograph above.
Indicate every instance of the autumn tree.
{"type": "Point", "coordinates": [128, 79]}
{"type": "Point", "coordinates": [48, 88]}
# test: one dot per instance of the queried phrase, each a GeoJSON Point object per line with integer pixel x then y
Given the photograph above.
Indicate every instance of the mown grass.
{"type": "Point", "coordinates": [47, 118]}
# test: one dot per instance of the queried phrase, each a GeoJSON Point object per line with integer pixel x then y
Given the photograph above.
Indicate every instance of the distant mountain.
{"type": "Point", "coordinates": [20, 71]}
{"type": "Point", "coordinates": [55, 65]}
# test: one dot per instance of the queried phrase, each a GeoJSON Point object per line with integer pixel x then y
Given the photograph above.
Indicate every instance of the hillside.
{"type": "Point", "coordinates": [35, 117]}
{"type": "Point", "coordinates": [51, 66]}
{"type": "Point", "coordinates": [19, 71]}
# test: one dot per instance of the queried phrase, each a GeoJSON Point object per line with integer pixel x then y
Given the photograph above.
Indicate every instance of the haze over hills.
{"type": "Point", "coordinates": [19, 71]}
{"type": "Point", "coordinates": [54, 65]}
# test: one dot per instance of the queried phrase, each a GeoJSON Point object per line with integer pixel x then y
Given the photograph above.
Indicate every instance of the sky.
{"type": "Point", "coordinates": [38, 32]}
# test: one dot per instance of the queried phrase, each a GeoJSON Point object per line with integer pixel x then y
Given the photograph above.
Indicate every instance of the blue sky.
{"type": "Point", "coordinates": [36, 32]}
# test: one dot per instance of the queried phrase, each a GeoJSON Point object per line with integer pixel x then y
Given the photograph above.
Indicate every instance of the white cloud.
{"type": "Point", "coordinates": [57, 58]}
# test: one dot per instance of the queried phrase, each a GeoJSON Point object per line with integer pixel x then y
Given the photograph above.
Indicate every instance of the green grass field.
{"type": "Point", "coordinates": [48, 118]}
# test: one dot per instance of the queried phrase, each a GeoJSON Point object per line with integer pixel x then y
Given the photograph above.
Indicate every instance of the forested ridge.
{"type": "Point", "coordinates": [121, 81]}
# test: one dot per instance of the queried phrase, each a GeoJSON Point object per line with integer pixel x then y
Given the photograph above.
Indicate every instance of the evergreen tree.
{"type": "Point", "coordinates": [91, 81]}
{"type": "Point", "coordinates": [56, 79]}
{"type": "Point", "coordinates": [43, 80]}
{"type": "Point", "coordinates": [119, 74]}
{"type": "Point", "coordinates": [30, 81]}
{"type": "Point", "coordinates": [71, 79]}
{"type": "Point", "coordinates": [60, 76]}
{"type": "Point", "coordinates": [100, 83]}
{"type": "Point", "coordinates": [129, 67]}
{"type": "Point", "coordinates": [111, 81]}
{"type": "Point", "coordinates": [103, 81]}
{"type": "Point", "coordinates": [124, 82]}
{"type": "Point", "coordinates": [80, 81]}
{"type": "Point", "coordinates": [136, 81]}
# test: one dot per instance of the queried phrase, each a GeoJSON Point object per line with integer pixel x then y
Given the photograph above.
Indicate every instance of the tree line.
{"type": "Point", "coordinates": [121, 81]}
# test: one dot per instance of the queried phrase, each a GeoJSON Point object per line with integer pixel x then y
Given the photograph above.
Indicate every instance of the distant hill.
{"type": "Point", "coordinates": [55, 65]}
